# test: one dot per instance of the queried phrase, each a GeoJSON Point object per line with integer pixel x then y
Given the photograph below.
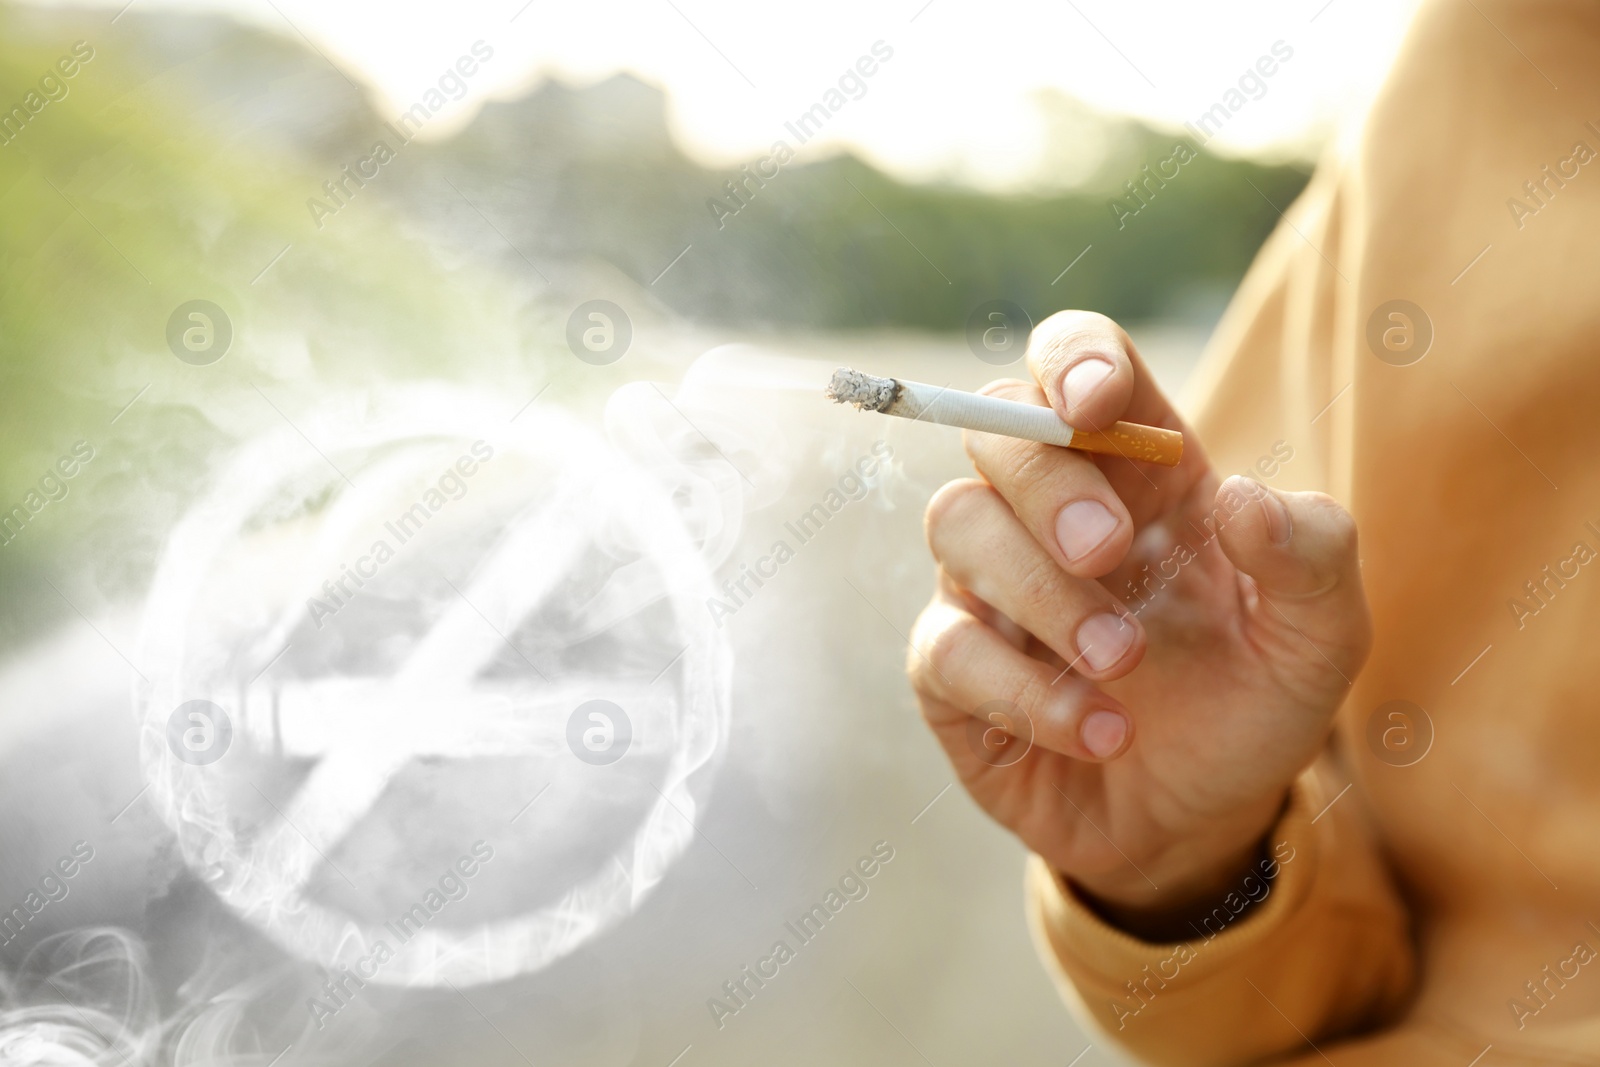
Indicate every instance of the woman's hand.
{"type": "Point", "coordinates": [1167, 648]}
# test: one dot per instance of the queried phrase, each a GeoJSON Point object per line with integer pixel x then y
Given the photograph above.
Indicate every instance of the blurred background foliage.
{"type": "Point", "coordinates": [180, 164]}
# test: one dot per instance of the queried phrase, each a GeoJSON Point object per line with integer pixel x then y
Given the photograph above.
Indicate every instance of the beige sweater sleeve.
{"type": "Point", "coordinates": [1323, 951]}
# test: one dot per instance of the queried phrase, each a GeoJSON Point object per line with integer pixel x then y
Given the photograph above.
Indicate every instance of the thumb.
{"type": "Point", "coordinates": [1303, 592]}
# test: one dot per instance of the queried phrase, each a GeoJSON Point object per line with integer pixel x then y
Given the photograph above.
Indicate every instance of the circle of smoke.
{"type": "Point", "coordinates": [260, 874]}
{"type": "Point", "coordinates": [82, 997]}
{"type": "Point", "coordinates": [89, 998]}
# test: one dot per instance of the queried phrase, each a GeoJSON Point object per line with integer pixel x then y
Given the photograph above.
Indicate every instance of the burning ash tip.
{"type": "Point", "coordinates": [863, 390]}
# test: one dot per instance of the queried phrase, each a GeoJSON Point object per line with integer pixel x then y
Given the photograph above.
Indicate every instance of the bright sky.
{"type": "Point", "coordinates": [957, 100]}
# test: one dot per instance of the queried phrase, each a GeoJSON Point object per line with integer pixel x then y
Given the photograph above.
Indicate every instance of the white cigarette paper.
{"type": "Point", "coordinates": [1012, 418]}
{"type": "Point", "coordinates": [949, 407]}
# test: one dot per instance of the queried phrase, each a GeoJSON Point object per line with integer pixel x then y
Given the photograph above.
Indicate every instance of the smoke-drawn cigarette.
{"type": "Point", "coordinates": [991, 414]}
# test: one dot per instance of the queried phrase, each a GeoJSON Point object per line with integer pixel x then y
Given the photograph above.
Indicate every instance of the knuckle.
{"type": "Point", "coordinates": [1028, 693]}
{"type": "Point", "coordinates": [917, 673]}
{"type": "Point", "coordinates": [950, 511]}
{"type": "Point", "coordinates": [1341, 524]}
{"type": "Point", "coordinates": [1031, 476]}
{"type": "Point", "coordinates": [939, 639]}
{"type": "Point", "coordinates": [916, 658]}
{"type": "Point", "coordinates": [1040, 589]}
{"type": "Point", "coordinates": [947, 646]}
{"type": "Point", "coordinates": [1077, 320]}
{"type": "Point", "coordinates": [1335, 527]}
{"type": "Point", "coordinates": [1067, 332]}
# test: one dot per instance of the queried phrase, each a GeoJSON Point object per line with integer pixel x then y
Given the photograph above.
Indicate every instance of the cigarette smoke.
{"type": "Point", "coordinates": [88, 997]}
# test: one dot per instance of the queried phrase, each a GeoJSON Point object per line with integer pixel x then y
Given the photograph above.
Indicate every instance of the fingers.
{"type": "Point", "coordinates": [1092, 375]}
{"type": "Point", "coordinates": [983, 546]}
{"type": "Point", "coordinates": [1082, 362]}
{"type": "Point", "coordinates": [1060, 496]}
{"type": "Point", "coordinates": [986, 613]}
{"type": "Point", "coordinates": [1085, 510]}
{"type": "Point", "coordinates": [1300, 554]}
{"type": "Point", "coordinates": [963, 668]}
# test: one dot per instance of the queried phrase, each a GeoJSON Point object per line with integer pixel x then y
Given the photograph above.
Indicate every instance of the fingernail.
{"type": "Point", "coordinates": [1083, 526]}
{"type": "Point", "coordinates": [1103, 732]}
{"type": "Point", "coordinates": [1081, 381]}
{"type": "Point", "coordinates": [1104, 639]}
{"type": "Point", "coordinates": [1279, 526]}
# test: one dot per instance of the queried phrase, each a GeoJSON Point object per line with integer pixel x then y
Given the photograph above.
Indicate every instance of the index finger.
{"type": "Point", "coordinates": [1093, 376]}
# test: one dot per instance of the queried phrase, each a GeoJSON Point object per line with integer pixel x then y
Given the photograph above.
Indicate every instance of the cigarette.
{"type": "Point", "coordinates": [991, 414]}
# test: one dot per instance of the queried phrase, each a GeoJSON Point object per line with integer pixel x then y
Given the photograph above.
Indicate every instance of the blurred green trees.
{"type": "Point", "coordinates": [176, 163]}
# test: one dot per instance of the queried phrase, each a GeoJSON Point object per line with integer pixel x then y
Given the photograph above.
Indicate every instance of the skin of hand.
{"type": "Point", "coordinates": [1156, 765]}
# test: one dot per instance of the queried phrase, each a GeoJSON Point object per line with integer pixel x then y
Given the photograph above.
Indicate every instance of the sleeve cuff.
{"type": "Point", "coordinates": [1062, 920]}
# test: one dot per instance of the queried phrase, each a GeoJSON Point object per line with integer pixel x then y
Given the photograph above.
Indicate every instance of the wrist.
{"type": "Point", "coordinates": [1164, 900]}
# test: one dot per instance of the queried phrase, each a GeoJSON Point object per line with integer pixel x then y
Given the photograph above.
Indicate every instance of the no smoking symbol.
{"type": "Point", "coordinates": [493, 676]}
